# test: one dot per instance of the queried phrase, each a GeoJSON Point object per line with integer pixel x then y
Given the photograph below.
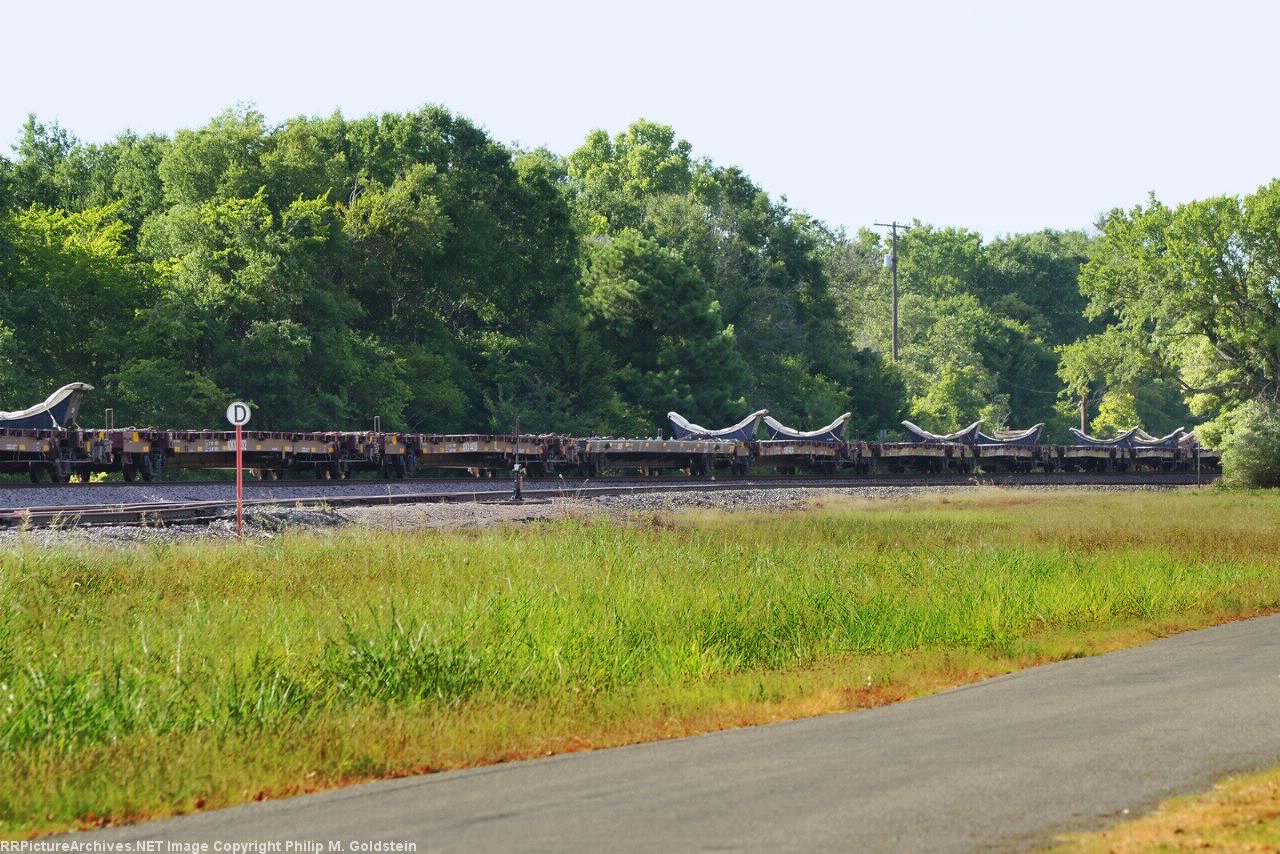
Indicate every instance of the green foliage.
{"type": "Point", "coordinates": [409, 266]}
{"type": "Point", "coordinates": [67, 290]}
{"type": "Point", "coordinates": [436, 399]}
{"type": "Point", "coordinates": [615, 177]}
{"type": "Point", "coordinates": [941, 262]}
{"type": "Point", "coordinates": [1251, 450]}
{"type": "Point", "coordinates": [760, 261]}
{"type": "Point", "coordinates": [1191, 291]}
{"type": "Point", "coordinates": [1154, 405]}
{"type": "Point", "coordinates": [222, 159]}
{"type": "Point", "coordinates": [657, 319]}
{"type": "Point", "coordinates": [979, 322]}
{"type": "Point", "coordinates": [406, 265]}
{"type": "Point", "coordinates": [44, 172]}
{"type": "Point", "coordinates": [1117, 412]}
{"type": "Point", "coordinates": [957, 396]}
{"type": "Point", "coordinates": [964, 361]}
{"type": "Point", "coordinates": [159, 393]}
{"type": "Point", "coordinates": [8, 354]}
{"type": "Point", "coordinates": [1161, 408]}
{"type": "Point", "coordinates": [568, 368]}
{"type": "Point", "coordinates": [1033, 279]}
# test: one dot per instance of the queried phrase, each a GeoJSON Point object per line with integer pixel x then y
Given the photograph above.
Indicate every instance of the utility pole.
{"type": "Point", "coordinates": [893, 265]}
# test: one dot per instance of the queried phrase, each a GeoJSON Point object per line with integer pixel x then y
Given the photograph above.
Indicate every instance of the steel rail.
{"type": "Point", "coordinates": [248, 484]}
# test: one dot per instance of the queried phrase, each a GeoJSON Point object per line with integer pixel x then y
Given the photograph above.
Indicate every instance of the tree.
{"type": "Point", "coordinates": [401, 230]}
{"type": "Point", "coordinates": [1191, 294]}
{"type": "Point", "coordinates": [1251, 450]}
{"type": "Point", "coordinates": [568, 376]}
{"type": "Point", "coordinates": [8, 374]}
{"type": "Point", "coordinates": [160, 392]}
{"type": "Point", "coordinates": [409, 266]}
{"type": "Point", "coordinates": [761, 263]}
{"type": "Point", "coordinates": [659, 322]}
{"type": "Point", "coordinates": [941, 262]}
{"type": "Point", "coordinates": [615, 177]}
{"type": "Point", "coordinates": [257, 306]}
{"type": "Point", "coordinates": [959, 395]}
{"type": "Point", "coordinates": [1033, 279]}
{"type": "Point", "coordinates": [68, 288]}
{"type": "Point", "coordinates": [131, 178]}
{"type": "Point", "coordinates": [1117, 412]}
{"type": "Point", "coordinates": [221, 160]}
{"type": "Point", "coordinates": [978, 321]}
{"type": "Point", "coordinates": [39, 175]}
{"type": "Point", "coordinates": [860, 285]}
{"type": "Point", "coordinates": [962, 361]}
{"type": "Point", "coordinates": [308, 157]}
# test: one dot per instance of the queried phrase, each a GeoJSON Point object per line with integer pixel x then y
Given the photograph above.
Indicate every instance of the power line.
{"type": "Point", "coordinates": [1036, 390]}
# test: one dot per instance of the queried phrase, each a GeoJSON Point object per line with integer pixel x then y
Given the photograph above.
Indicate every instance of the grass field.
{"type": "Point", "coordinates": [150, 680]}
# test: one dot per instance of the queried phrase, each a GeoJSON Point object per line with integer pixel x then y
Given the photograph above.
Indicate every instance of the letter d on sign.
{"type": "Point", "coordinates": [238, 413]}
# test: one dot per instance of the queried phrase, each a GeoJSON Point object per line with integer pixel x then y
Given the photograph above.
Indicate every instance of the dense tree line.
{"type": "Point", "coordinates": [1192, 297]}
{"type": "Point", "coordinates": [409, 266]}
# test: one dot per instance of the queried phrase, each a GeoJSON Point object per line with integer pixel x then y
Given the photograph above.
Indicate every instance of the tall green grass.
{"type": "Point", "coordinates": [108, 650]}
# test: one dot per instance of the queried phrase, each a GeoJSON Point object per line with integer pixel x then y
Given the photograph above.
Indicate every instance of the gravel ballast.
{"type": "Point", "coordinates": [268, 523]}
{"type": "Point", "coordinates": [72, 494]}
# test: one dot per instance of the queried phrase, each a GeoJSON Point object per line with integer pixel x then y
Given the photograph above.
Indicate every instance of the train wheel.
{"type": "Point", "coordinates": [57, 471]}
{"type": "Point", "coordinates": [37, 472]}
{"type": "Point", "coordinates": [401, 468]}
{"type": "Point", "coordinates": [83, 475]}
{"type": "Point", "coordinates": [145, 468]}
{"type": "Point", "coordinates": [129, 471]}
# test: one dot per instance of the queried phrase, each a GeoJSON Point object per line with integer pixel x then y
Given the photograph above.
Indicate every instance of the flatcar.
{"type": "Point", "coordinates": [44, 443]}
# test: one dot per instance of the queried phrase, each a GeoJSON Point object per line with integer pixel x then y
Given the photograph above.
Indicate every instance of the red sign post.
{"type": "Point", "coordinates": [238, 414]}
{"type": "Point", "coordinates": [239, 483]}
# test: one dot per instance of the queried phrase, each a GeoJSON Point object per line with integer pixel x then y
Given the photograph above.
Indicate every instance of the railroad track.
{"type": "Point", "coordinates": [162, 513]}
{"type": "Point", "coordinates": [571, 481]}
{"type": "Point", "coordinates": [249, 483]}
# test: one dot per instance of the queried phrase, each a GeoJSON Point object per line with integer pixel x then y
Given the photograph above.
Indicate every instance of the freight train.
{"type": "Point", "coordinates": [45, 443]}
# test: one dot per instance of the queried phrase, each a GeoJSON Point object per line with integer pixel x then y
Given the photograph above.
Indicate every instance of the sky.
{"type": "Point", "coordinates": [1001, 117]}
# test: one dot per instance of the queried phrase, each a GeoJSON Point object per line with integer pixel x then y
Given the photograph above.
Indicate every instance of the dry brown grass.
{"type": "Point", "coordinates": [1239, 814]}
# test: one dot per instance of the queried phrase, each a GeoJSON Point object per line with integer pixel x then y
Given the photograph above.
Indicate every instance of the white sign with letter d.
{"type": "Point", "coordinates": [238, 413]}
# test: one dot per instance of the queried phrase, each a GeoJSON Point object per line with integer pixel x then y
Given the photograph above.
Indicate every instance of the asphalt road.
{"type": "Point", "coordinates": [1003, 764]}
